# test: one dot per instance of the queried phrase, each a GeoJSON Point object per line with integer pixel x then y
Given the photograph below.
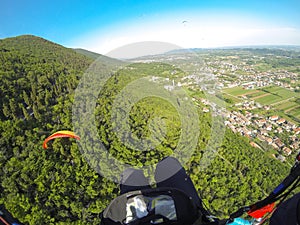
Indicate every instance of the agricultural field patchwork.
{"type": "Point", "coordinates": [279, 98]}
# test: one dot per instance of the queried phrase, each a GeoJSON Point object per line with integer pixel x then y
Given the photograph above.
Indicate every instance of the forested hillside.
{"type": "Point", "coordinates": [57, 186]}
{"type": "Point", "coordinates": [38, 79]}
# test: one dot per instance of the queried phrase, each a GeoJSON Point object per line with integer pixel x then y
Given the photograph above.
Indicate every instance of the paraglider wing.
{"type": "Point", "coordinates": [261, 212]}
{"type": "Point", "coordinates": [60, 134]}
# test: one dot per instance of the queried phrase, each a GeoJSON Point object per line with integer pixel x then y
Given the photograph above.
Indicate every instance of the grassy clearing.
{"type": "Point", "coordinates": [233, 99]}
{"type": "Point", "coordinates": [295, 112]}
{"type": "Point", "coordinates": [286, 93]}
{"type": "Point", "coordinates": [237, 91]}
{"type": "Point", "coordinates": [286, 105]}
{"type": "Point", "coordinates": [276, 95]}
{"type": "Point", "coordinates": [256, 94]}
{"type": "Point", "coordinates": [269, 99]}
{"type": "Point", "coordinates": [282, 92]}
{"type": "Point", "coordinates": [272, 88]}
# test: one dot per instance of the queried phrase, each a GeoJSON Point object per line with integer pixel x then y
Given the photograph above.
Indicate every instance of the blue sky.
{"type": "Point", "coordinates": [104, 25]}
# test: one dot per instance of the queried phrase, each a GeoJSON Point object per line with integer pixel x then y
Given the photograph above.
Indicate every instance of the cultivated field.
{"type": "Point", "coordinates": [279, 98]}
{"type": "Point", "coordinates": [236, 91]}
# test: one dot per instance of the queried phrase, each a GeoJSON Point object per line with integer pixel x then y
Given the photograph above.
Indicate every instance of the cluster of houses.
{"type": "Point", "coordinates": [262, 80]}
{"type": "Point", "coordinates": [268, 78]}
{"type": "Point", "coordinates": [266, 130]}
{"type": "Point", "coordinates": [252, 78]}
{"type": "Point", "coordinates": [249, 78]}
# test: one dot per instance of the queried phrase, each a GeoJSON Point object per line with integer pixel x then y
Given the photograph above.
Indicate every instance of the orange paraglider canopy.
{"type": "Point", "coordinates": [60, 134]}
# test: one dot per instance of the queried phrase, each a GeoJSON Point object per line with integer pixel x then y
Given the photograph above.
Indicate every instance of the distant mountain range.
{"type": "Point", "coordinates": [101, 57]}
{"type": "Point", "coordinates": [270, 47]}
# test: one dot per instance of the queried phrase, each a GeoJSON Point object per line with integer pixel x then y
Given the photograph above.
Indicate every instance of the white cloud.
{"type": "Point", "coordinates": [198, 32]}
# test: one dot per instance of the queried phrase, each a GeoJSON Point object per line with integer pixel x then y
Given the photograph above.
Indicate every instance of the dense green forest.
{"type": "Point", "coordinates": [58, 185]}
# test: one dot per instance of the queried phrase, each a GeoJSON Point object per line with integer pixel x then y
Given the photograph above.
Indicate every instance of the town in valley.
{"type": "Point", "coordinates": [260, 88]}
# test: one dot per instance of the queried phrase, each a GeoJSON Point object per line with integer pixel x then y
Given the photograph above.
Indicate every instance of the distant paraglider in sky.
{"type": "Point", "coordinates": [60, 134]}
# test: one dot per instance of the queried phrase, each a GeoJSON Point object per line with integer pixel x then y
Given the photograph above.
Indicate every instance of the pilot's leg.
{"type": "Point", "coordinates": [288, 212]}
{"type": "Point", "coordinates": [170, 173]}
{"type": "Point", "coordinates": [132, 180]}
